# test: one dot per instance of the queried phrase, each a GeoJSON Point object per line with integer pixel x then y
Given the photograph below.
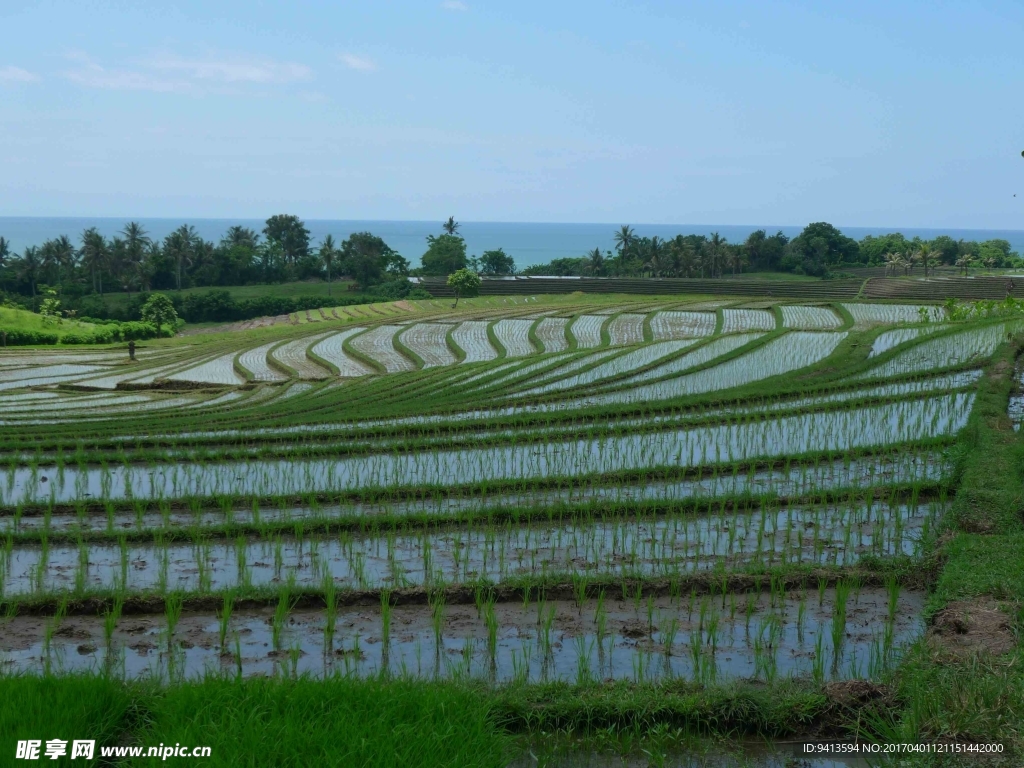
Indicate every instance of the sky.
{"type": "Point", "coordinates": [871, 113]}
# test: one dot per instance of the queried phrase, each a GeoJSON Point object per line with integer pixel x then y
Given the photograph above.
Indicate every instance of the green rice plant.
{"type": "Point", "coordinates": [437, 618]}
{"type": "Point", "coordinates": [491, 620]}
{"type": "Point", "coordinates": [173, 604]}
{"type": "Point", "coordinates": [330, 611]}
{"type": "Point", "coordinates": [668, 636]}
{"type": "Point", "coordinates": [284, 607]}
{"type": "Point", "coordinates": [111, 615]}
{"type": "Point", "coordinates": [818, 669]}
{"type": "Point", "coordinates": [224, 619]}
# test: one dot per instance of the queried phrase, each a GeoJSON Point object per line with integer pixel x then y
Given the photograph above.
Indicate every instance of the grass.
{"type": "Point", "coordinates": [261, 722]}
{"type": "Point", "coordinates": [65, 708]}
{"type": "Point", "coordinates": [23, 320]}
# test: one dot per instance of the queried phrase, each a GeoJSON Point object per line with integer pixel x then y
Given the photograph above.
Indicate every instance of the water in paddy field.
{"type": "Point", "coordinates": [810, 535]}
{"type": "Point", "coordinates": [527, 242]}
{"type": "Point", "coordinates": [817, 633]}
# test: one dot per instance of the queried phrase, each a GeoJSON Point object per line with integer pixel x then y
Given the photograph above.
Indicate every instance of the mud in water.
{"type": "Point", "coordinates": [704, 638]}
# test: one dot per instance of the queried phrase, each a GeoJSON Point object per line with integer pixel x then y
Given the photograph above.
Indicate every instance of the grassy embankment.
{"type": "Point", "coordinates": [23, 320]}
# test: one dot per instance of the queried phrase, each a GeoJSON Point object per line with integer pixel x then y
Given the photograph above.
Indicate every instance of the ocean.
{"type": "Point", "coordinates": [528, 243]}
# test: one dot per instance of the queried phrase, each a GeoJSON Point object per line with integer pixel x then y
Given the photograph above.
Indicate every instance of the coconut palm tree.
{"type": "Point", "coordinates": [29, 266]}
{"type": "Point", "coordinates": [180, 246]}
{"type": "Point", "coordinates": [593, 262]}
{"type": "Point", "coordinates": [56, 254]}
{"type": "Point", "coordinates": [237, 235]}
{"type": "Point", "coordinates": [94, 255]}
{"type": "Point", "coordinates": [328, 253]}
{"type": "Point", "coordinates": [963, 263]}
{"type": "Point", "coordinates": [136, 240]}
{"type": "Point", "coordinates": [624, 239]}
{"type": "Point", "coordinates": [924, 256]}
{"type": "Point", "coordinates": [714, 247]}
{"type": "Point", "coordinates": [451, 227]}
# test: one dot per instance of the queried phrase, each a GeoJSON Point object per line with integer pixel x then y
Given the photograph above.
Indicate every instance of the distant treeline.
{"type": "Point", "coordinates": [83, 271]}
{"type": "Point", "coordinates": [819, 250]}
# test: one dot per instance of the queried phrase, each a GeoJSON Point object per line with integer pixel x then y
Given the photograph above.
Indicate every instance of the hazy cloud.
{"type": "Point", "coordinates": [360, 63]}
{"type": "Point", "coordinates": [232, 70]}
{"type": "Point", "coordinates": [12, 74]}
{"type": "Point", "coordinates": [454, 5]}
{"type": "Point", "coordinates": [169, 73]}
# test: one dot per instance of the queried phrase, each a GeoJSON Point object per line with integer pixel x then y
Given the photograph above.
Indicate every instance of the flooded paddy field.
{"type": "Point", "coordinates": [580, 491]}
{"type": "Point", "coordinates": [825, 634]}
{"type": "Point", "coordinates": [804, 535]}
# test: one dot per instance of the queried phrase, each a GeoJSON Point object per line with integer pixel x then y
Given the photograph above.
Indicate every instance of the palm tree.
{"type": "Point", "coordinates": [683, 261]}
{"type": "Point", "coordinates": [737, 260]}
{"type": "Point", "coordinates": [56, 254]}
{"type": "Point", "coordinates": [179, 245]}
{"type": "Point", "coordinates": [655, 258]}
{"type": "Point", "coordinates": [624, 239]}
{"type": "Point", "coordinates": [29, 266]}
{"type": "Point", "coordinates": [237, 235]}
{"type": "Point", "coordinates": [593, 262]}
{"type": "Point", "coordinates": [328, 252]}
{"type": "Point", "coordinates": [94, 255]}
{"type": "Point", "coordinates": [892, 263]}
{"type": "Point", "coordinates": [451, 227]}
{"type": "Point", "coordinates": [714, 249]}
{"type": "Point", "coordinates": [924, 255]}
{"type": "Point", "coordinates": [964, 263]}
{"type": "Point", "coordinates": [135, 241]}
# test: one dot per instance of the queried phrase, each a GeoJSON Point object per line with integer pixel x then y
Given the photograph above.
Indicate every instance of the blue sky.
{"type": "Point", "coordinates": [865, 114]}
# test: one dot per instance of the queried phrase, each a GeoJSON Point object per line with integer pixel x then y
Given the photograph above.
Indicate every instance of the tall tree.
{"type": "Point", "coordinates": [451, 227]}
{"type": "Point", "coordinates": [593, 263]}
{"type": "Point", "coordinates": [290, 233]}
{"type": "Point", "coordinates": [136, 240]}
{"type": "Point", "coordinates": [57, 255]}
{"type": "Point", "coordinates": [94, 254]}
{"type": "Point", "coordinates": [240, 236]}
{"type": "Point", "coordinates": [328, 253]}
{"type": "Point", "coordinates": [29, 266]}
{"type": "Point", "coordinates": [497, 262]}
{"type": "Point", "coordinates": [624, 238]}
{"type": "Point", "coordinates": [179, 246]}
{"type": "Point", "coordinates": [366, 258]}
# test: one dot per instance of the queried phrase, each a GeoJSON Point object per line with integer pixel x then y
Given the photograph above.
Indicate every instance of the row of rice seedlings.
{"type": "Point", "coordinates": [688, 636]}
{"type": "Point", "coordinates": [792, 477]}
{"type": "Point", "coordinates": [672, 545]}
{"type": "Point", "coordinates": [838, 430]}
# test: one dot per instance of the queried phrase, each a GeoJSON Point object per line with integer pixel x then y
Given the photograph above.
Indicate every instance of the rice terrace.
{"type": "Point", "coordinates": [735, 522]}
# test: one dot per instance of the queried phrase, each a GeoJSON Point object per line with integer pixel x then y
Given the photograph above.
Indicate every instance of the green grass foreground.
{"type": "Point", "coordinates": [260, 722]}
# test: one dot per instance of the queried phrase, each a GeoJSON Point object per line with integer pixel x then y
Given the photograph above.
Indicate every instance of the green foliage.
{"type": "Point", "coordinates": [290, 234]}
{"type": "Point", "coordinates": [465, 283]}
{"type": "Point", "coordinates": [445, 254]}
{"type": "Point", "coordinates": [49, 310]}
{"type": "Point", "coordinates": [817, 248]}
{"type": "Point", "coordinates": [159, 311]}
{"type": "Point", "coordinates": [497, 262]}
{"type": "Point", "coordinates": [369, 260]}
